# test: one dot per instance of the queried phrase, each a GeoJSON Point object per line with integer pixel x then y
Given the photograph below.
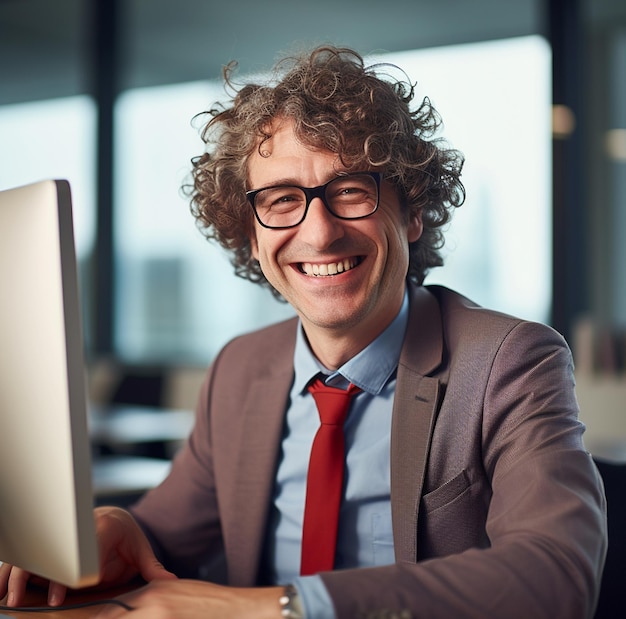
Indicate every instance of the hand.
{"type": "Point", "coordinates": [124, 554]}
{"type": "Point", "coordinates": [13, 581]}
{"type": "Point", "coordinates": [194, 599]}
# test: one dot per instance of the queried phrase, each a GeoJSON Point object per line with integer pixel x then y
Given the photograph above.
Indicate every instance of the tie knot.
{"type": "Point", "coordinates": [332, 403]}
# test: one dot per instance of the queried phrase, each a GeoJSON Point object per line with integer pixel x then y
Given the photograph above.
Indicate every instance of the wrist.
{"type": "Point", "coordinates": [291, 604]}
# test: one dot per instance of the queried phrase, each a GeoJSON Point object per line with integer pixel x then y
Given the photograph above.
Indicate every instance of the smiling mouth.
{"type": "Point", "coordinates": [329, 269]}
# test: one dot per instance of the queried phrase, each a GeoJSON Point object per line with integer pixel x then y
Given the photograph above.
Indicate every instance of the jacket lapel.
{"type": "Point", "coordinates": [415, 407]}
{"type": "Point", "coordinates": [258, 451]}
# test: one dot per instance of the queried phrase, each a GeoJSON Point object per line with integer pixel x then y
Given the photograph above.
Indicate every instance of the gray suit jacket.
{"type": "Point", "coordinates": [497, 509]}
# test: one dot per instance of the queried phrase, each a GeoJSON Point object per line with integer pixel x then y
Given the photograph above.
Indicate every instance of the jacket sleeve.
{"type": "Point", "coordinates": [180, 516]}
{"type": "Point", "coordinates": [546, 516]}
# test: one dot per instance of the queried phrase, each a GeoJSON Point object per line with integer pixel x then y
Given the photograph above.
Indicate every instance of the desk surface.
{"type": "Point", "coordinates": [120, 427]}
{"type": "Point", "coordinates": [125, 425]}
{"type": "Point", "coordinates": [603, 410]}
{"type": "Point", "coordinates": [115, 476]}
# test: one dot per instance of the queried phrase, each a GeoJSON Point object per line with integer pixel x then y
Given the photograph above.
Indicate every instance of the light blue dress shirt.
{"type": "Point", "coordinates": [365, 536]}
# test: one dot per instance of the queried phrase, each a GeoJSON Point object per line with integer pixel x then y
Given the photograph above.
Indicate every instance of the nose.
{"type": "Point", "coordinates": [320, 227]}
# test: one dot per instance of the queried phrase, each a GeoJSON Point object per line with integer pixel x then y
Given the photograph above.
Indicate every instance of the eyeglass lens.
{"type": "Point", "coordinates": [349, 197]}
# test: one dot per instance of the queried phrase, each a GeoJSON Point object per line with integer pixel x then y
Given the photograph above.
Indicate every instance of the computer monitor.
{"type": "Point", "coordinates": [46, 516]}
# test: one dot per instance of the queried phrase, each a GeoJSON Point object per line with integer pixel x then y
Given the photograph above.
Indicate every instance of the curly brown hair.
{"type": "Point", "coordinates": [338, 104]}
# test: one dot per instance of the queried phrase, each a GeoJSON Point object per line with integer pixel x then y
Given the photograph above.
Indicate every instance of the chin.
{"type": "Point", "coordinates": [336, 318]}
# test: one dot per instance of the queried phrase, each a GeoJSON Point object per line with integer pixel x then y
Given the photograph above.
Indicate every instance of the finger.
{"type": "Point", "coordinates": [151, 568]}
{"type": "Point", "coordinates": [56, 594]}
{"type": "Point", "coordinates": [16, 586]}
{"type": "Point", "coordinates": [124, 549]}
{"type": "Point", "coordinates": [5, 570]}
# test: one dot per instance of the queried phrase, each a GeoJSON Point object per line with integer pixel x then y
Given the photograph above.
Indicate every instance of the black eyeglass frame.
{"type": "Point", "coordinates": [315, 192]}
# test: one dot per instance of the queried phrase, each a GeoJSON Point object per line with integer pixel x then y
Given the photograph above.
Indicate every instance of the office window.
{"type": "Point", "coordinates": [54, 139]}
{"type": "Point", "coordinates": [495, 101]}
{"type": "Point", "coordinates": [176, 294]}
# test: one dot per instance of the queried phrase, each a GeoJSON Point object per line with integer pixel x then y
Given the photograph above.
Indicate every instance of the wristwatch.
{"type": "Point", "coordinates": [290, 604]}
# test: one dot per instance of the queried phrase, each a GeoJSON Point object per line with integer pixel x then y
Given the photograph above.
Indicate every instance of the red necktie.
{"type": "Point", "coordinates": [324, 483]}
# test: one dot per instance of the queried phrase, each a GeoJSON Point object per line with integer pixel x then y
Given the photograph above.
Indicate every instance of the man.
{"type": "Point", "coordinates": [467, 491]}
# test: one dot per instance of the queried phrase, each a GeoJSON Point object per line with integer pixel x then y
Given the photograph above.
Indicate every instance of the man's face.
{"type": "Point", "coordinates": [360, 299]}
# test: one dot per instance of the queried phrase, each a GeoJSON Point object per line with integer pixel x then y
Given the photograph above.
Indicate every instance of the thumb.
{"type": "Point", "coordinates": [151, 568]}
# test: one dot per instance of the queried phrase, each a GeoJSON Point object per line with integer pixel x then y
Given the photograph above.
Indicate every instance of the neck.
{"type": "Point", "coordinates": [334, 347]}
{"type": "Point", "coordinates": [332, 351]}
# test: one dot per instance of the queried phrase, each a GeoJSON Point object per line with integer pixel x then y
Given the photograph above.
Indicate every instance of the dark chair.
{"type": "Point", "coordinates": [140, 385]}
{"type": "Point", "coordinates": [611, 604]}
{"type": "Point", "coordinates": [143, 386]}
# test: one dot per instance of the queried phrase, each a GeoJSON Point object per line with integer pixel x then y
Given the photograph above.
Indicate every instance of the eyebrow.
{"type": "Point", "coordinates": [294, 182]}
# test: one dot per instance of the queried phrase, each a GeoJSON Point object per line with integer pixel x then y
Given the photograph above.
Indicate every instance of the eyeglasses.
{"type": "Point", "coordinates": [350, 196]}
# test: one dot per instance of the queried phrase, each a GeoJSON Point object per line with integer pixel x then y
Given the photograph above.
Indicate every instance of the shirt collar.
{"type": "Point", "coordinates": [370, 369]}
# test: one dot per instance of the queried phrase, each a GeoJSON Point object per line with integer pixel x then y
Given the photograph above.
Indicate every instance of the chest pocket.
{"type": "Point", "coordinates": [453, 518]}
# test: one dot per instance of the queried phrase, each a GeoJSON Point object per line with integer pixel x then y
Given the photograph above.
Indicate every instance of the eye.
{"type": "Point", "coordinates": [279, 198]}
{"type": "Point", "coordinates": [352, 189]}
{"type": "Point", "coordinates": [285, 197]}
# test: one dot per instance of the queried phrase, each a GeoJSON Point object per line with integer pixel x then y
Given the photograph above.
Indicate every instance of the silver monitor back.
{"type": "Point", "coordinates": [46, 516]}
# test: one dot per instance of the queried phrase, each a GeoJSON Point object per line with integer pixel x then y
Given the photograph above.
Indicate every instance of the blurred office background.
{"type": "Point", "coordinates": [105, 93]}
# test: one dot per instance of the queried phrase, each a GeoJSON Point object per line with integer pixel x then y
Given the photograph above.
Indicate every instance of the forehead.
{"type": "Point", "coordinates": [283, 157]}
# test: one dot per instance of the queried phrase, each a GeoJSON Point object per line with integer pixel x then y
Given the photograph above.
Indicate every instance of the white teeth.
{"type": "Point", "coordinates": [332, 268]}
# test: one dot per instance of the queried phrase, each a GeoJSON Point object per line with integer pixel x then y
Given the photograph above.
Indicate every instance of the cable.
{"type": "Point", "coordinates": [49, 609]}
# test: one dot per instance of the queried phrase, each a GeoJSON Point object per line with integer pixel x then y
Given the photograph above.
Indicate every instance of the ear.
{"type": "Point", "coordinates": [415, 227]}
